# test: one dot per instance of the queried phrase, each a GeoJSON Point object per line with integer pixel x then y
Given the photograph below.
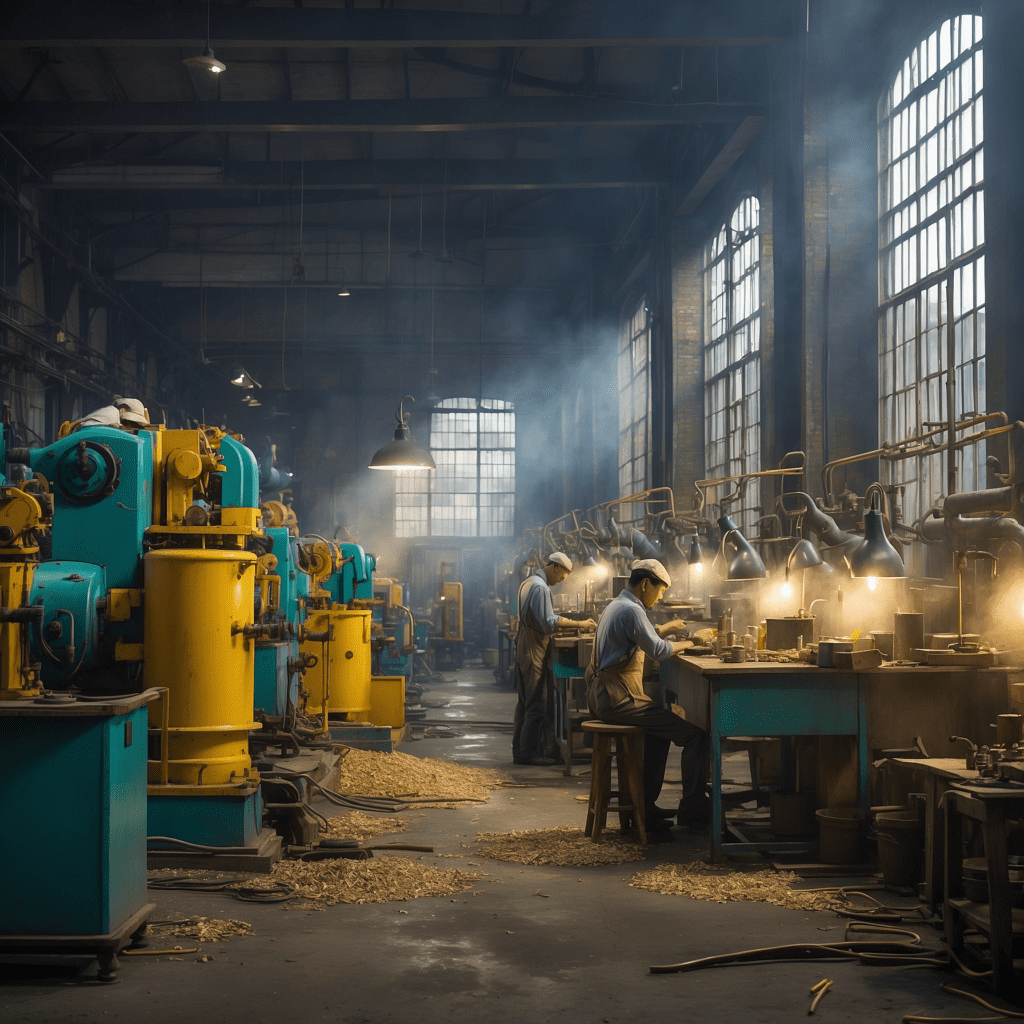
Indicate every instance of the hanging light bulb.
{"type": "Point", "coordinates": [403, 452]}
{"type": "Point", "coordinates": [207, 60]}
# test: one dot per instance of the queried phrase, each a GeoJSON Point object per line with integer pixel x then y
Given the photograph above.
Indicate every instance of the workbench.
{"type": "Point", "coordinates": [940, 773]}
{"type": "Point", "coordinates": [570, 655]}
{"type": "Point", "coordinates": [993, 807]}
{"type": "Point", "coordinates": [766, 699]}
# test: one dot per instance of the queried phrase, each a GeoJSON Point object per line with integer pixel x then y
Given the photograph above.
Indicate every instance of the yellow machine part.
{"type": "Point", "coordinates": [197, 603]}
{"type": "Point", "coordinates": [17, 680]}
{"type": "Point", "coordinates": [342, 672]}
{"type": "Point", "coordinates": [387, 701]}
{"type": "Point", "coordinates": [451, 611]}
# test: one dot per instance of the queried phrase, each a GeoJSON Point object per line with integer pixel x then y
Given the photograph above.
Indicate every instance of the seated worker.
{"type": "Point", "coordinates": [537, 623]}
{"type": "Point", "coordinates": [615, 693]}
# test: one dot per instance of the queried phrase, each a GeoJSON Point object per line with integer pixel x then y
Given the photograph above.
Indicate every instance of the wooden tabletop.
{"type": "Point", "coordinates": [946, 767]}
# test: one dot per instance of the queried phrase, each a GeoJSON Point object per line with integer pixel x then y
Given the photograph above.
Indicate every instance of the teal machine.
{"type": "Point", "coordinates": [90, 634]}
{"type": "Point", "coordinates": [74, 880]}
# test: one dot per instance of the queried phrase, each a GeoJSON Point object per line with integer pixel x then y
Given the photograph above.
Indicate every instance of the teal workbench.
{"type": "Point", "coordinates": [767, 699]}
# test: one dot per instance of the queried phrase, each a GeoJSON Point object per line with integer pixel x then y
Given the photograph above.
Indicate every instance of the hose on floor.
{"type": "Point", "coordinates": [233, 887]}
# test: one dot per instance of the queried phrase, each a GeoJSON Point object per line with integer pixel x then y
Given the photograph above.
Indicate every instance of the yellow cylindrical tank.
{"type": "Point", "coordinates": [342, 671]}
{"type": "Point", "coordinates": [197, 601]}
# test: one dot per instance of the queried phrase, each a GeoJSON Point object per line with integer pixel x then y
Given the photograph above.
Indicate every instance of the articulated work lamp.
{"type": "Point", "coordinates": [803, 556]}
{"type": "Point", "coordinates": [403, 452]}
{"type": "Point", "coordinates": [746, 563]}
{"type": "Point", "coordinates": [874, 557]}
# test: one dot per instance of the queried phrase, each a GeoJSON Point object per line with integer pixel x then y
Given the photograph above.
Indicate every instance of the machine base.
{"type": "Point", "coordinates": [224, 817]}
{"type": "Point", "coordinates": [106, 947]}
{"type": "Point", "coordinates": [362, 737]}
{"type": "Point", "coordinates": [258, 857]}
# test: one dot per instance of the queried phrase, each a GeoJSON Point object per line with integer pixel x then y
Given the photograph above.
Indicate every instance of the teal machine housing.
{"type": "Point", "coordinates": [276, 689]}
{"type": "Point", "coordinates": [89, 758]}
{"type": "Point", "coordinates": [100, 479]}
{"type": "Point", "coordinates": [354, 581]}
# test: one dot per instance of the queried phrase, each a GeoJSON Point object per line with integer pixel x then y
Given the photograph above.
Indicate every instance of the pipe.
{"type": "Point", "coordinates": [994, 499]}
{"type": "Point", "coordinates": [951, 528]}
{"type": "Point", "coordinates": [823, 525]}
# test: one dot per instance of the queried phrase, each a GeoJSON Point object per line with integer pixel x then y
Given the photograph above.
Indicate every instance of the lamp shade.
{"type": "Point", "coordinates": [207, 60]}
{"type": "Point", "coordinates": [241, 378]}
{"type": "Point", "coordinates": [804, 555]}
{"type": "Point", "coordinates": [875, 555]}
{"type": "Point", "coordinates": [696, 556]}
{"type": "Point", "coordinates": [746, 563]}
{"type": "Point", "coordinates": [403, 452]}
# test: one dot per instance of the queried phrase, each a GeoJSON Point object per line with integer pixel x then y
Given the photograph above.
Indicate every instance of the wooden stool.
{"type": "Point", "coordinates": [624, 743]}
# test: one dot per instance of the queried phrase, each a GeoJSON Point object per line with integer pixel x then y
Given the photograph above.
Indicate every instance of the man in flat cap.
{"type": "Point", "coordinates": [615, 693]}
{"type": "Point", "coordinates": [537, 624]}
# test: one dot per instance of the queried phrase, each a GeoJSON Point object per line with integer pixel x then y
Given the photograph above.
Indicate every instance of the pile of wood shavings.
{"type": "Point", "coordinates": [764, 886]}
{"type": "Point", "coordinates": [357, 825]}
{"type": "Point", "coordinates": [378, 880]}
{"type": "Point", "coordinates": [206, 929]}
{"type": "Point", "coordinates": [559, 847]}
{"type": "Point", "coordinates": [375, 773]}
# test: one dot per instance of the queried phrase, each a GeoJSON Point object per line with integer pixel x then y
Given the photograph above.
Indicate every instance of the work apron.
{"type": "Point", "coordinates": [621, 682]}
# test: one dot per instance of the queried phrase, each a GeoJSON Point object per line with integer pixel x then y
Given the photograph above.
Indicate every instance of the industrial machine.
{"type": "Point", "coordinates": [446, 642]}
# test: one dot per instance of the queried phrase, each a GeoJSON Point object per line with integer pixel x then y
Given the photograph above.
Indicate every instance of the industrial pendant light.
{"type": "Point", "coordinates": [240, 377]}
{"type": "Point", "coordinates": [746, 563]}
{"type": "Point", "coordinates": [403, 452]}
{"type": "Point", "coordinates": [875, 558]}
{"type": "Point", "coordinates": [207, 60]}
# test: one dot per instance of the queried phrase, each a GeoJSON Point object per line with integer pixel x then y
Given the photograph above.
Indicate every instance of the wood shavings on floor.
{"type": "Point", "coordinates": [357, 825]}
{"type": "Point", "coordinates": [381, 879]}
{"type": "Point", "coordinates": [559, 847]}
{"type": "Point", "coordinates": [205, 929]}
{"type": "Point", "coordinates": [375, 773]}
{"type": "Point", "coordinates": [700, 882]}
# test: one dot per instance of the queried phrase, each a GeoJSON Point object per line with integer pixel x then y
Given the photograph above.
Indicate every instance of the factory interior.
{"type": "Point", "coordinates": [508, 510]}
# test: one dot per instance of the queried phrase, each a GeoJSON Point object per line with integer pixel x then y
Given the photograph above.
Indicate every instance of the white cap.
{"type": "Point", "coordinates": [105, 416]}
{"type": "Point", "coordinates": [133, 412]}
{"type": "Point", "coordinates": [653, 566]}
{"type": "Point", "coordinates": [558, 558]}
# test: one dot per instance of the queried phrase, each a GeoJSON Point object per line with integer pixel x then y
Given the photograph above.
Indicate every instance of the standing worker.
{"type": "Point", "coordinates": [615, 693]}
{"type": "Point", "coordinates": [537, 623]}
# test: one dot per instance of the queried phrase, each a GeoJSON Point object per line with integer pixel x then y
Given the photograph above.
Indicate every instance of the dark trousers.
{"type": "Point", "coordinates": [661, 729]}
{"type": "Point", "coordinates": [531, 712]}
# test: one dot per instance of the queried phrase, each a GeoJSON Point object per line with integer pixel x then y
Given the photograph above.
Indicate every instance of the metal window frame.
{"type": "Point", "coordinates": [734, 240]}
{"type": "Point", "coordinates": [912, 474]}
{"type": "Point", "coordinates": [629, 335]}
{"type": "Point", "coordinates": [429, 490]}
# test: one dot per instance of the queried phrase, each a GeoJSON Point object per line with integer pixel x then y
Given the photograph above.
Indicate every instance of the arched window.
{"type": "Point", "coordinates": [931, 254]}
{"type": "Point", "coordinates": [634, 404]}
{"type": "Point", "coordinates": [732, 352]}
{"type": "Point", "coordinates": [472, 491]}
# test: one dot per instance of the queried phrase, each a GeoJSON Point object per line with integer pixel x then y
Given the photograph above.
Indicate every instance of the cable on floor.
{"type": "Point", "coordinates": [275, 893]}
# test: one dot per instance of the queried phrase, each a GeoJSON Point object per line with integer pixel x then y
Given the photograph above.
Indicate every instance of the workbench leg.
{"type": "Point", "coordinates": [934, 837]}
{"type": "Point", "coordinates": [716, 796]}
{"type": "Point", "coordinates": [1000, 915]}
{"type": "Point", "coordinates": [953, 868]}
{"type": "Point", "coordinates": [862, 738]}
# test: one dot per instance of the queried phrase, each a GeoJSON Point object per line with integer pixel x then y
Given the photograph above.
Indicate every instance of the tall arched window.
{"type": "Point", "coordinates": [931, 254]}
{"type": "Point", "coordinates": [732, 352]}
{"type": "Point", "coordinates": [634, 404]}
{"type": "Point", "coordinates": [472, 491]}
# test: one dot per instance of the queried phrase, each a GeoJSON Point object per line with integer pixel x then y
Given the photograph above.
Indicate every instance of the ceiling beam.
{"type": "Point", "coordinates": [432, 115]}
{"type": "Point", "coordinates": [57, 24]}
{"type": "Point", "coordinates": [697, 190]}
{"type": "Point", "coordinates": [316, 175]}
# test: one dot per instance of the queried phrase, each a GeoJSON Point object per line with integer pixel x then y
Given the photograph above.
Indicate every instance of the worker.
{"type": "Point", "coordinates": [537, 623]}
{"type": "Point", "coordinates": [615, 694]}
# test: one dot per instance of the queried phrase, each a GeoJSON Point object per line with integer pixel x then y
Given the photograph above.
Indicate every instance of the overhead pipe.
{"type": "Point", "coordinates": [937, 528]}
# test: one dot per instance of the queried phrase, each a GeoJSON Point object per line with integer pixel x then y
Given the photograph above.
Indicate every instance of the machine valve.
{"type": "Point", "coordinates": [305, 661]}
{"type": "Point", "coordinates": [253, 631]}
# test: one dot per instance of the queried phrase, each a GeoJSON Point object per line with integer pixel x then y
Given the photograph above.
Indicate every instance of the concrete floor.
{"type": "Point", "coordinates": [579, 952]}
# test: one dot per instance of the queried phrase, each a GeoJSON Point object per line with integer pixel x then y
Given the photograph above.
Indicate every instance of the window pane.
{"type": "Point", "coordinates": [946, 194]}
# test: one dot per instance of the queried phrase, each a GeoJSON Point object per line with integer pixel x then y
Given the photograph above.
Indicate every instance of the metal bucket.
{"type": "Point", "coordinates": [900, 838]}
{"type": "Point", "coordinates": [841, 834]}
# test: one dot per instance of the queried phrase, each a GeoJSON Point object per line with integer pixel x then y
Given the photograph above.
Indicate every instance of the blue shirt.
{"type": "Point", "coordinates": [535, 607]}
{"type": "Point", "coordinates": [624, 626]}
